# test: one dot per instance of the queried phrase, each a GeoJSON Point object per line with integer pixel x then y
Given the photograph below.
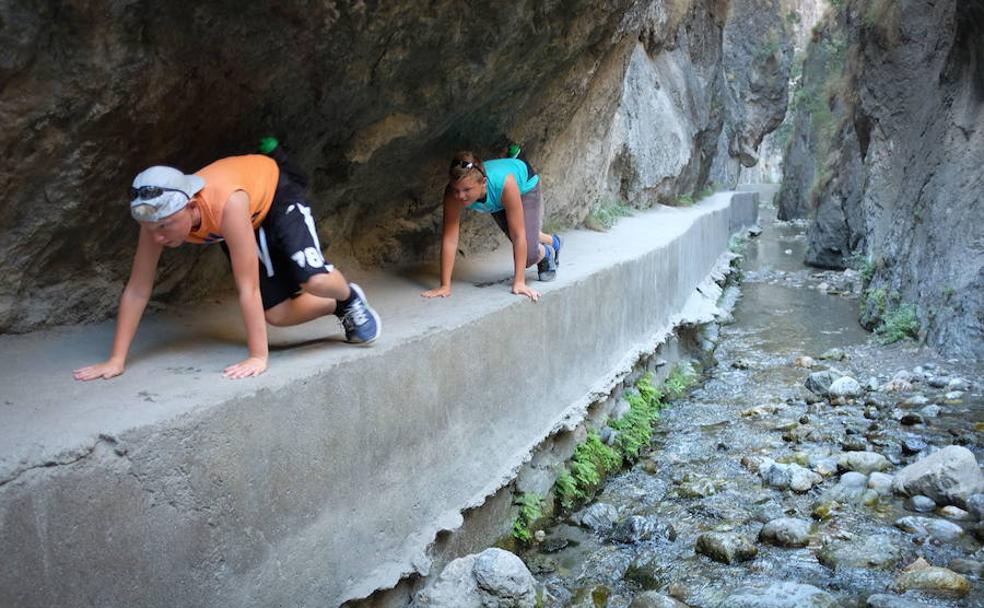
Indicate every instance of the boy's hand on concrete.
{"type": "Point", "coordinates": [106, 370]}
{"type": "Point", "coordinates": [438, 292]}
{"type": "Point", "coordinates": [254, 366]}
{"type": "Point", "coordinates": [522, 289]}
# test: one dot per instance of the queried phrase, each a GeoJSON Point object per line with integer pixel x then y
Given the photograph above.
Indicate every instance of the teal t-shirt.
{"type": "Point", "coordinates": [496, 171]}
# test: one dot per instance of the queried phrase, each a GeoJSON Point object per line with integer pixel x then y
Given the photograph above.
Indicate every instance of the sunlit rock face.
{"type": "Point", "coordinates": [623, 99]}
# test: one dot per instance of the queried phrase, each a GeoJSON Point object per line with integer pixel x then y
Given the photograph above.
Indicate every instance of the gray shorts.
{"type": "Point", "coordinates": [532, 221]}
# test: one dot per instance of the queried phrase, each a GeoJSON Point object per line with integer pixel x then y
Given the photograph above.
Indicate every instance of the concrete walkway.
{"type": "Point", "coordinates": [328, 476]}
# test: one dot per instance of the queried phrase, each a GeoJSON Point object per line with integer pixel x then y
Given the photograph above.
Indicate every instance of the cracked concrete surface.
{"type": "Point", "coordinates": [329, 476]}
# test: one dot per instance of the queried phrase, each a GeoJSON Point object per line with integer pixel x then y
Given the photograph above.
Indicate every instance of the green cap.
{"type": "Point", "coordinates": [268, 144]}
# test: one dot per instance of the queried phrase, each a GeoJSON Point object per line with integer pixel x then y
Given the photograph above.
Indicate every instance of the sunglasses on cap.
{"type": "Point", "coordinates": [466, 165]}
{"type": "Point", "coordinates": [146, 193]}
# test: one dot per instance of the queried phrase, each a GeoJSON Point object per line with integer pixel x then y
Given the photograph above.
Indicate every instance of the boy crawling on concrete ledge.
{"type": "Point", "coordinates": [256, 206]}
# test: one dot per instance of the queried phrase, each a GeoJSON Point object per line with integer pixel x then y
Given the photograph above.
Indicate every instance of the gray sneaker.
{"type": "Point", "coordinates": [362, 324]}
{"type": "Point", "coordinates": [547, 267]}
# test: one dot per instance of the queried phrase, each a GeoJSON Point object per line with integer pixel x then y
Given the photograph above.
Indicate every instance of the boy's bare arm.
{"type": "Point", "coordinates": [238, 232]}
{"type": "Point", "coordinates": [134, 300]}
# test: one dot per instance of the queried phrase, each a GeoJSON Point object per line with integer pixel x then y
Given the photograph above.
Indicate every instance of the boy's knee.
{"type": "Point", "coordinates": [275, 316]}
{"type": "Point", "coordinates": [318, 282]}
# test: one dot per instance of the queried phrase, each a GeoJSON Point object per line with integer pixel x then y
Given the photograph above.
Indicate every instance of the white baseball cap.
{"type": "Point", "coordinates": [161, 191]}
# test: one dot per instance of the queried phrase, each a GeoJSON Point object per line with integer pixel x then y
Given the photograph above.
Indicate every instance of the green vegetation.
{"type": "Point", "coordinates": [530, 510]}
{"type": "Point", "coordinates": [899, 324]}
{"type": "Point", "coordinates": [738, 243]}
{"type": "Point", "coordinates": [679, 380]}
{"type": "Point", "coordinates": [606, 214]}
{"type": "Point", "coordinates": [685, 200]}
{"type": "Point", "coordinates": [891, 319]}
{"type": "Point", "coordinates": [860, 262]}
{"type": "Point", "coordinates": [593, 460]}
{"type": "Point", "coordinates": [635, 428]}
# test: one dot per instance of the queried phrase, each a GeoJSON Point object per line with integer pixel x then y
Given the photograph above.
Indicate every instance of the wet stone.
{"type": "Point", "coordinates": [881, 483]}
{"type": "Point", "coordinates": [920, 504]}
{"type": "Point", "coordinates": [931, 411]}
{"type": "Point", "coordinates": [786, 532]}
{"type": "Point", "coordinates": [933, 580]}
{"type": "Point", "coordinates": [651, 599]}
{"type": "Point", "coordinates": [853, 443]}
{"type": "Point", "coordinates": [955, 513]}
{"type": "Point", "coordinates": [780, 595]}
{"type": "Point", "coordinates": [878, 552]}
{"type": "Point", "coordinates": [912, 444]}
{"type": "Point", "coordinates": [953, 396]}
{"type": "Point", "coordinates": [940, 529]}
{"type": "Point", "coordinates": [915, 401]}
{"type": "Point", "coordinates": [969, 567]}
{"type": "Point", "coordinates": [599, 517]}
{"type": "Point", "coordinates": [819, 382]}
{"type": "Point", "coordinates": [949, 476]}
{"type": "Point", "coordinates": [911, 419]}
{"type": "Point", "coordinates": [975, 504]}
{"type": "Point", "coordinates": [788, 476]}
{"type": "Point", "coordinates": [883, 600]}
{"type": "Point", "coordinates": [637, 528]}
{"type": "Point", "coordinates": [845, 387]}
{"type": "Point", "coordinates": [697, 488]}
{"type": "Point", "coordinates": [726, 547]}
{"type": "Point", "coordinates": [863, 462]}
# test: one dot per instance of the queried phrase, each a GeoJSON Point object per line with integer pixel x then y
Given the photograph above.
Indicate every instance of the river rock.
{"type": "Point", "coordinates": [493, 578]}
{"type": "Point", "coordinates": [805, 362]}
{"type": "Point", "coordinates": [933, 580]}
{"type": "Point", "coordinates": [788, 476]}
{"type": "Point", "coordinates": [931, 411]}
{"type": "Point", "coordinates": [652, 599]}
{"type": "Point", "coordinates": [975, 504]}
{"type": "Point", "coordinates": [863, 462]}
{"type": "Point", "coordinates": [834, 354]}
{"type": "Point", "coordinates": [599, 517]}
{"type": "Point", "coordinates": [949, 476]}
{"type": "Point", "coordinates": [957, 384]}
{"type": "Point", "coordinates": [845, 387]}
{"type": "Point", "coordinates": [884, 600]}
{"type": "Point", "coordinates": [915, 401]}
{"type": "Point", "coordinates": [940, 529]}
{"type": "Point", "coordinates": [877, 552]}
{"type": "Point", "coordinates": [819, 382]}
{"type": "Point", "coordinates": [920, 504]}
{"type": "Point", "coordinates": [780, 595]}
{"type": "Point", "coordinates": [726, 547]}
{"type": "Point", "coordinates": [881, 483]}
{"type": "Point", "coordinates": [912, 444]}
{"type": "Point", "coordinates": [786, 532]}
{"type": "Point", "coordinates": [955, 513]}
{"type": "Point", "coordinates": [636, 528]}
{"type": "Point", "coordinates": [969, 567]}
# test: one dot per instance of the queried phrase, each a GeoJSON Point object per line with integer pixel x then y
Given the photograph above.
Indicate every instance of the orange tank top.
{"type": "Point", "coordinates": [254, 174]}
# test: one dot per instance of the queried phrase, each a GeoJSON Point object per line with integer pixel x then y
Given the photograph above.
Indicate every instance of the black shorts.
{"type": "Point", "coordinates": [287, 244]}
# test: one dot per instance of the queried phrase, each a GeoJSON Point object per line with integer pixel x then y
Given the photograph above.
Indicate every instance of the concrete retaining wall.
{"type": "Point", "coordinates": [330, 478]}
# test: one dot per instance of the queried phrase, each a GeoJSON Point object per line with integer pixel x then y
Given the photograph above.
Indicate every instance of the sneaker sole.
{"type": "Point", "coordinates": [557, 247]}
{"type": "Point", "coordinates": [372, 313]}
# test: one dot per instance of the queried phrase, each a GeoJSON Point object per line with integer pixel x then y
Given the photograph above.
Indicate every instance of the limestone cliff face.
{"type": "Point", "coordinates": [895, 168]}
{"type": "Point", "coordinates": [626, 99]}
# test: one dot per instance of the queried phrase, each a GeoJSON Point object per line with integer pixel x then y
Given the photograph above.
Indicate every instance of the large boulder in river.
{"type": "Point", "coordinates": [493, 578]}
{"type": "Point", "coordinates": [726, 547]}
{"type": "Point", "coordinates": [819, 382]}
{"type": "Point", "coordinates": [949, 476]}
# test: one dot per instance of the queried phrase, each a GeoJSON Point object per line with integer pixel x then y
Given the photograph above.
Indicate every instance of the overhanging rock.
{"type": "Point", "coordinates": [328, 477]}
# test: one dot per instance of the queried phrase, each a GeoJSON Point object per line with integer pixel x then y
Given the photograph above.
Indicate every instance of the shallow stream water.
{"type": "Point", "coordinates": [700, 473]}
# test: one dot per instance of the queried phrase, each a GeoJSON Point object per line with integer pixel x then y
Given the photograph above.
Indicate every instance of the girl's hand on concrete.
{"type": "Point", "coordinates": [522, 289]}
{"type": "Point", "coordinates": [438, 292]}
{"type": "Point", "coordinates": [254, 366]}
{"type": "Point", "coordinates": [106, 370]}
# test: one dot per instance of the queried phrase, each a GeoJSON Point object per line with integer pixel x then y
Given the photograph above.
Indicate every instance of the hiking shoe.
{"type": "Point", "coordinates": [557, 243]}
{"type": "Point", "coordinates": [362, 324]}
{"type": "Point", "coordinates": [547, 267]}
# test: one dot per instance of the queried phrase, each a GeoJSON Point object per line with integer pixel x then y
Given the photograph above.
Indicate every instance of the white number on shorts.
{"type": "Point", "coordinates": [311, 256]}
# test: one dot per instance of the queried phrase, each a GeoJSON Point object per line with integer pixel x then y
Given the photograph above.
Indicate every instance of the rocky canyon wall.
{"type": "Point", "coordinates": [887, 156]}
{"type": "Point", "coordinates": [640, 101]}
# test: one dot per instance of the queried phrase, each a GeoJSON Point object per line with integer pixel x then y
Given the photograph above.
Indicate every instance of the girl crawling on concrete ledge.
{"type": "Point", "coordinates": [509, 189]}
{"type": "Point", "coordinates": [256, 206]}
